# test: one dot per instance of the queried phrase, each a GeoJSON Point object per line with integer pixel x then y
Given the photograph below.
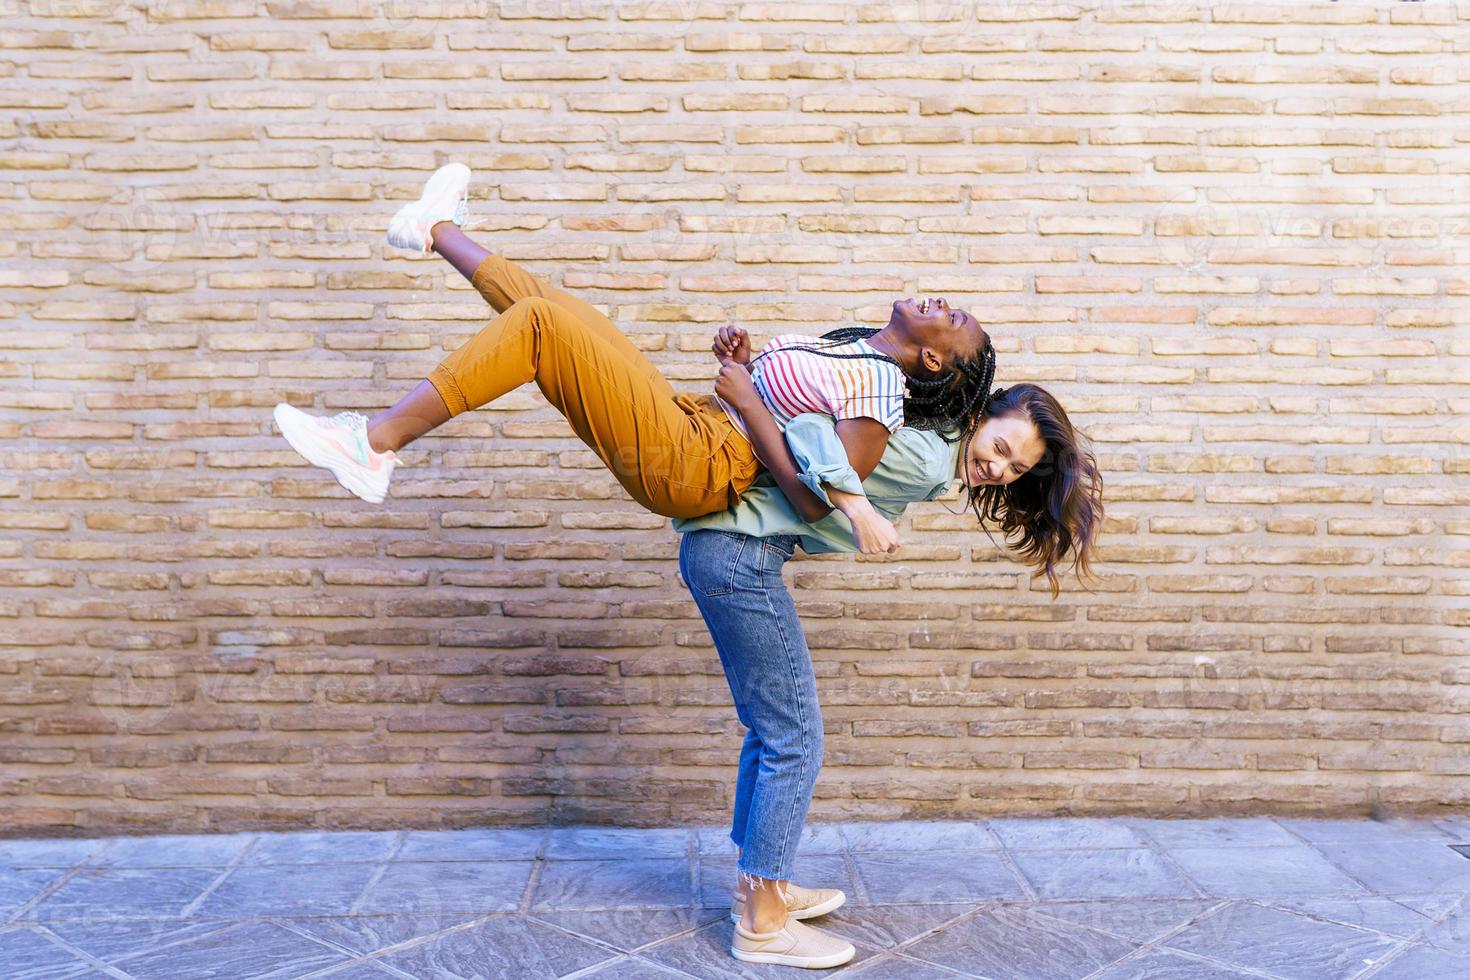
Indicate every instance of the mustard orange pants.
{"type": "Point", "coordinates": [675, 453]}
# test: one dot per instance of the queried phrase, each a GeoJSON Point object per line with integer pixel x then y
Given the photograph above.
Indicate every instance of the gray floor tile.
{"type": "Point", "coordinates": [1433, 907]}
{"type": "Point", "coordinates": [919, 835]}
{"type": "Point", "coordinates": [718, 878]}
{"type": "Point", "coordinates": [1451, 933]}
{"type": "Point", "coordinates": [1405, 867]}
{"type": "Point", "coordinates": [896, 966]}
{"type": "Point", "coordinates": [1221, 832]}
{"type": "Point", "coordinates": [638, 883]}
{"type": "Point", "coordinates": [448, 886]}
{"type": "Point", "coordinates": [1012, 943]}
{"type": "Point", "coordinates": [630, 929]}
{"type": "Point", "coordinates": [509, 947]}
{"type": "Point", "coordinates": [28, 955]}
{"type": "Point", "coordinates": [890, 879]}
{"type": "Point", "coordinates": [1063, 832]}
{"type": "Point", "coordinates": [360, 970]}
{"type": "Point", "coordinates": [249, 949]}
{"type": "Point", "coordinates": [171, 851]}
{"type": "Point", "coordinates": [293, 889]}
{"type": "Point", "coordinates": [1110, 873]}
{"type": "Point", "coordinates": [1143, 921]}
{"type": "Point", "coordinates": [705, 953]}
{"type": "Point", "coordinates": [124, 892]}
{"type": "Point", "coordinates": [326, 847]}
{"type": "Point", "coordinates": [606, 843]}
{"type": "Point", "coordinates": [369, 933]}
{"type": "Point", "coordinates": [111, 939]}
{"type": "Point", "coordinates": [476, 844]}
{"type": "Point", "coordinates": [47, 852]}
{"type": "Point", "coordinates": [1282, 943]}
{"type": "Point", "coordinates": [632, 968]}
{"type": "Point", "coordinates": [887, 926]}
{"type": "Point", "coordinates": [1258, 872]}
{"type": "Point", "coordinates": [1457, 828]}
{"type": "Point", "coordinates": [19, 885]}
{"type": "Point", "coordinates": [1424, 963]}
{"type": "Point", "coordinates": [1365, 831]}
{"type": "Point", "coordinates": [1163, 964]}
{"type": "Point", "coordinates": [1378, 914]}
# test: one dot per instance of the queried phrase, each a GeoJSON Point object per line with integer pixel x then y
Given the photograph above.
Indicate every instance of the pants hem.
{"type": "Point", "coordinates": [449, 390]}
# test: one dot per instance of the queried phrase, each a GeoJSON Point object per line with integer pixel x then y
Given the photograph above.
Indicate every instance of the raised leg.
{"type": "Point", "coordinates": [668, 450]}
{"type": "Point", "coordinates": [503, 282]}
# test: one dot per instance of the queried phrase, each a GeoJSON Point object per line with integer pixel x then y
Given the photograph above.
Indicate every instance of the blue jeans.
{"type": "Point", "coordinates": [736, 583]}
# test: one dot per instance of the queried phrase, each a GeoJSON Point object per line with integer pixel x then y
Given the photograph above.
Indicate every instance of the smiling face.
{"type": "Point", "coordinates": [941, 334]}
{"type": "Point", "coordinates": [1001, 451]}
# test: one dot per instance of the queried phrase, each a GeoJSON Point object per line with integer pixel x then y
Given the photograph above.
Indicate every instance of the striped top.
{"type": "Point", "coordinates": [794, 380]}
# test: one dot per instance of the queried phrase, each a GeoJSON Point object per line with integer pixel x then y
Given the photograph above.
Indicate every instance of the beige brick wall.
{"type": "Point", "coordinates": [1231, 237]}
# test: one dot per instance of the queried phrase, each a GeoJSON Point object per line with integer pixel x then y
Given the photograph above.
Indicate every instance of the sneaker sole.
{"type": "Point", "coordinates": [312, 451]}
{"type": "Point", "coordinates": [786, 959]}
{"type": "Point", "coordinates": [821, 908]}
{"type": "Point", "coordinates": [443, 186]}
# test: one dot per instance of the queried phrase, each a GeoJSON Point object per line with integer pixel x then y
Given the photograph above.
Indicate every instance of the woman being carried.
{"type": "Point", "coordinates": [677, 454]}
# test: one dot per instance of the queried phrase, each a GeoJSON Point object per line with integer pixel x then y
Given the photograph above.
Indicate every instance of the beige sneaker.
{"type": "Point", "coordinates": [794, 944]}
{"type": "Point", "coordinates": [801, 903]}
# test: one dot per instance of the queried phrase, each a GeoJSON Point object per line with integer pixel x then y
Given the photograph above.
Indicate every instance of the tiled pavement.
{"type": "Point", "coordinates": [1014, 898]}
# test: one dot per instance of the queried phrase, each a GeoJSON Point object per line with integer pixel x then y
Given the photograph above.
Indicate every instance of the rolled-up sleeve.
{"type": "Point", "coordinates": [820, 456]}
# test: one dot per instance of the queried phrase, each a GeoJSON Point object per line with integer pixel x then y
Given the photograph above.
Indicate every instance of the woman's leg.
{"type": "Point", "coordinates": [669, 452]}
{"type": "Point", "coordinates": [502, 282]}
{"type": "Point", "coordinates": [736, 583]}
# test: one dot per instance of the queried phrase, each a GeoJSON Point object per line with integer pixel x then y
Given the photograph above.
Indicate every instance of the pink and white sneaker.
{"type": "Point", "coordinates": [340, 444]}
{"type": "Point", "coordinates": [445, 197]}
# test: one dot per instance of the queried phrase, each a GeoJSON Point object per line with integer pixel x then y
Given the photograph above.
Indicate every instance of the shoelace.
{"type": "Point", "coordinates": [350, 419]}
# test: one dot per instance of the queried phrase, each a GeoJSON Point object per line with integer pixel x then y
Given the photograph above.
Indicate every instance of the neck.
{"type": "Point", "coordinates": [885, 341]}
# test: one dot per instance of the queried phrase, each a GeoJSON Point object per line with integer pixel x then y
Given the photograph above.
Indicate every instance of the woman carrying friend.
{"type": "Point", "coordinates": [1026, 471]}
{"type": "Point", "coordinates": [1022, 464]}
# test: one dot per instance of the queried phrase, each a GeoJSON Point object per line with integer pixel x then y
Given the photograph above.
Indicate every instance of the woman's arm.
{"type": "Point", "coordinates": [765, 436]}
{"type": "Point", "coordinates": [873, 532]}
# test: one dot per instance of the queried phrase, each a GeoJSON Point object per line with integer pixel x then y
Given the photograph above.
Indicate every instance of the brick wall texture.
{"type": "Point", "coordinates": [1230, 237]}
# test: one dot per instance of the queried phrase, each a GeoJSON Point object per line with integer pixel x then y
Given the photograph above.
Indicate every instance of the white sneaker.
{"type": "Point", "coordinates": [445, 197]}
{"type": "Point", "coordinates": [794, 944]}
{"type": "Point", "coordinates": [340, 444]}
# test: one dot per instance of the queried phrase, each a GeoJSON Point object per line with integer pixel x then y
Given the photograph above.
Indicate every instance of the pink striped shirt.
{"type": "Point", "coordinates": [791, 379]}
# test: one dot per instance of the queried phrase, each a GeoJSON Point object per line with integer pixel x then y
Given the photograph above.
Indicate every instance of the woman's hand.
{"type": "Point", "coordinates": [874, 533]}
{"type": "Point", "coordinates": [734, 384]}
{"type": "Point", "coordinates": [732, 342]}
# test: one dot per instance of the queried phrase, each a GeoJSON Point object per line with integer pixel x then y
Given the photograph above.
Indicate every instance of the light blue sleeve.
{"type": "Point", "coordinates": [820, 456]}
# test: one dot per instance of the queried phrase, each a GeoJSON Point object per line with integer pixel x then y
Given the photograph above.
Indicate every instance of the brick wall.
{"type": "Point", "coordinates": [1230, 237]}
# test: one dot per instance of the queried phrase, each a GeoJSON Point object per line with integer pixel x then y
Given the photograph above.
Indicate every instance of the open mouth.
{"type": "Point", "coordinates": [929, 303]}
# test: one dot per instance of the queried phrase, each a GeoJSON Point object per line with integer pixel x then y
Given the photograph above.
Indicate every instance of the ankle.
{"type": "Point", "coordinates": [763, 921]}
{"type": "Point", "coordinates": [436, 228]}
{"type": "Point", "coordinates": [378, 442]}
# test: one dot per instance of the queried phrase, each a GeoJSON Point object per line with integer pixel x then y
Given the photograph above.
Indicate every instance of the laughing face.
{"type": "Point", "coordinates": [942, 333]}
{"type": "Point", "coordinates": [1002, 450]}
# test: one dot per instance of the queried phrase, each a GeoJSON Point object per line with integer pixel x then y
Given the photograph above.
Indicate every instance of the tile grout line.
{"type": "Point", "coordinates": [377, 876]}
{"type": "Point", "coordinates": [533, 880]}
{"type": "Point", "coordinates": [1162, 853]}
{"type": "Point", "coordinates": [81, 954]}
{"type": "Point", "coordinates": [191, 907]}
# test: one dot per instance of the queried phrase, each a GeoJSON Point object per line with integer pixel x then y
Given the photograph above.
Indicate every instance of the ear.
{"type": "Point", "coordinates": [930, 361]}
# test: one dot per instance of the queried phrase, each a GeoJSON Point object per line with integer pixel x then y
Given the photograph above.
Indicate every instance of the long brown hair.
{"type": "Point", "coordinates": [1055, 507]}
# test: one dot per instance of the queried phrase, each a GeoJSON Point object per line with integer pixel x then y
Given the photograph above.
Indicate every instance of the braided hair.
{"type": "Point", "coordinates": [950, 403]}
